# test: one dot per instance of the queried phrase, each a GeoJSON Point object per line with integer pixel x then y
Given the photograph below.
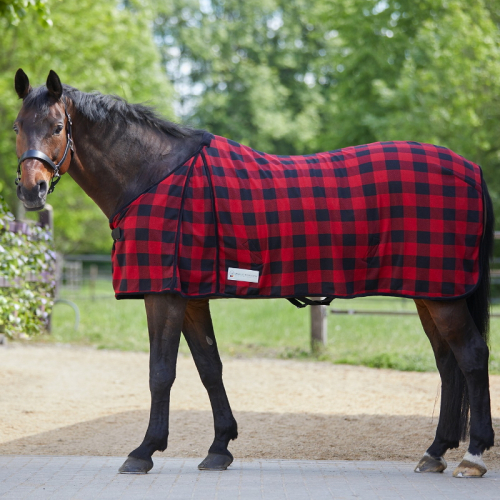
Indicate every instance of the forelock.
{"type": "Point", "coordinates": [40, 100]}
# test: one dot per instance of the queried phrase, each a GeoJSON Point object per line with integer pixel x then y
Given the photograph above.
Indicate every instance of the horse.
{"type": "Point", "coordinates": [119, 153]}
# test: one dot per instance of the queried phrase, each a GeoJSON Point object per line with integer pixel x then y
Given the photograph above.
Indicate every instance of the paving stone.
{"type": "Point", "coordinates": [83, 478]}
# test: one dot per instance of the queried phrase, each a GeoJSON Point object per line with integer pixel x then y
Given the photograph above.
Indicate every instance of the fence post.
{"type": "Point", "coordinates": [318, 327]}
{"type": "Point", "coordinates": [20, 210]}
{"type": "Point", "coordinates": [94, 271]}
{"type": "Point", "coordinates": [46, 220]}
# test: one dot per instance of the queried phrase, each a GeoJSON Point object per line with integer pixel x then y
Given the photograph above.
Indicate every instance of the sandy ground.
{"type": "Point", "coordinates": [78, 401]}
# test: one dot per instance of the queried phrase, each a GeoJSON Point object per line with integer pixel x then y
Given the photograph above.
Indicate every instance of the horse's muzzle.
{"type": "Point", "coordinates": [33, 199]}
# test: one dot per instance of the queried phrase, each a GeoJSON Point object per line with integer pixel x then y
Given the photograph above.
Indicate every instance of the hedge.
{"type": "Point", "coordinates": [27, 276]}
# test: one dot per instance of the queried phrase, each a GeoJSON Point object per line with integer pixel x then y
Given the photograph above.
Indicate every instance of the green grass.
{"type": "Point", "coordinates": [269, 328]}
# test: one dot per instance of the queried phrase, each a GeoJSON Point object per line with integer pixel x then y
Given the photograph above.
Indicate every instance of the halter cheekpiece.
{"type": "Point", "coordinates": [40, 155]}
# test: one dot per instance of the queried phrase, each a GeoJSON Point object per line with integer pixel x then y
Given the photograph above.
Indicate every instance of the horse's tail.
{"type": "Point", "coordinates": [479, 307]}
{"type": "Point", "coordinates": [479, 301]}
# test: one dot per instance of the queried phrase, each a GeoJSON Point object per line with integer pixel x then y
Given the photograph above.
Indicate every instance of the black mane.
{"type": "Point", "coordinates": [98, 108]}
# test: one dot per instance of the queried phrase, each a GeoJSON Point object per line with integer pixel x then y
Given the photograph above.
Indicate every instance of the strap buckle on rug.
{"type": "Point", "coordinates": [116, 233]}
{"type": "Point", "coordinates": [301, 302]}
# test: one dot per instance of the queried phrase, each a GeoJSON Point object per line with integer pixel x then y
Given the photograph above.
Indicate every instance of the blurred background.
{"type": "Point", "coordinates": [285, 77]}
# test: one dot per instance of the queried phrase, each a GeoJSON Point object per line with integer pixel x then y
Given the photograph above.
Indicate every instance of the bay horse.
{"type": "Point", "coordinates": [119, 153]}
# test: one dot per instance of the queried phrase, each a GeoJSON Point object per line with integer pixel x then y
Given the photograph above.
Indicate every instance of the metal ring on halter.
{"type": "Point", "coordinates": [40, 155]}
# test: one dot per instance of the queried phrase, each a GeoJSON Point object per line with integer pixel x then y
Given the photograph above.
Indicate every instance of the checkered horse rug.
{"type": "Point", "coordinates": [388, 218]}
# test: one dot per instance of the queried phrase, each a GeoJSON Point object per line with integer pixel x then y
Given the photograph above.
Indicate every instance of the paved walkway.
{"type": "Point", "coordinates": [89, 478]}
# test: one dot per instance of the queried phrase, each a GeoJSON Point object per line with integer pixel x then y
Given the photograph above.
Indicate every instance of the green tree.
{"type": "Point", "coordinates": [15, 10]}
{"type": "Point", "coordinates": [92, 45]}
{"type": "Point", "coordinates": [291, 75]}
{"type": "Point", "coordinates": [296, 76]}
{"type": "Point", "coordinates": [245, 69]}
{"type": "Point", "coordinates": [448, 88]}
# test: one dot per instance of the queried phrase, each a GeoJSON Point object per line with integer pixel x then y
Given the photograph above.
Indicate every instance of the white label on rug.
{"type": "Point", "coordinates": [236, 274]}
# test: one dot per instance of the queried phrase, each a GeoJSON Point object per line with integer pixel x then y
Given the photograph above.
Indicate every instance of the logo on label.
{"type": "Point", "coordinates": [236, 274]}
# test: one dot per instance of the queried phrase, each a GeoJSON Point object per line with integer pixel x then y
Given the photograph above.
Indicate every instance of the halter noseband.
{"type": "Point", "coordinates": [40, 155]}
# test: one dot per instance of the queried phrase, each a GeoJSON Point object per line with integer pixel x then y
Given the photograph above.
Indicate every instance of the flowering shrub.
{"type": "Point", "coordinates": [27, 276]}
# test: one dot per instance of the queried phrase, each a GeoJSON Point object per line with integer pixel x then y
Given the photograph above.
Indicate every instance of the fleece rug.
{"type": "Point", "coordinates": [388, 218]}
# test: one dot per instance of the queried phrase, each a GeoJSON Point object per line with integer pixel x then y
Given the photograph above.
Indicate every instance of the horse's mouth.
{"type": "Point", "coordinates": [34, 206]}
{"type": "Point", "coordinates": [32, 201]}
{"type": "Point", "coordinates": [34, 209]}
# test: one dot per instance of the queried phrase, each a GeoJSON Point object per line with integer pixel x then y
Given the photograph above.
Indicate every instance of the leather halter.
{"type": "Point", "coordinates": [40, 155]}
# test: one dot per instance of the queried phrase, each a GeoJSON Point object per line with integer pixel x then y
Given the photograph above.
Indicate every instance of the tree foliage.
{"type": "Point", "coordinates": [448, 88]}
{"type": "Point", "coordinates": [15, 10]}
{"type": "Point", "coordinates": [101, 46]}
{"type": "Point", "coordinates": [299, 76]}
{"type": "Point", "coordinates": [245, 68]}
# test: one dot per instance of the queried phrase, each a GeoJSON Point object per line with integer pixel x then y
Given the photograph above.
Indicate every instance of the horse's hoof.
{"type": "Point", "coordinates": [136, 466]}
{"type": "Point", "coordinates": [470, 466]}
{"type": "Point", "coordinates": [431, 464]}
{"type": "Point", "coordinates": [215, 461]}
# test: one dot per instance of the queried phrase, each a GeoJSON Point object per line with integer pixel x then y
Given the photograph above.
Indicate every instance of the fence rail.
{"type": "Point", "coordinates": [30, 278]}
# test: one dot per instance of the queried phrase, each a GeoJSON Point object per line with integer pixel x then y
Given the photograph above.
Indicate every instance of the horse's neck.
{"type": "Point", "coordinates": [114, 167]}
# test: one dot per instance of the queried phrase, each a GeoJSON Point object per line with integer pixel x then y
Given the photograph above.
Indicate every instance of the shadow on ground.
{"type": "Point", "coordinates": [262, 435]}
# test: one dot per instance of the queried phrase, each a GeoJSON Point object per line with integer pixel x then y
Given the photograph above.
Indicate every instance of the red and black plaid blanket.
{"type": "Point", "coordinates": [388, 218]}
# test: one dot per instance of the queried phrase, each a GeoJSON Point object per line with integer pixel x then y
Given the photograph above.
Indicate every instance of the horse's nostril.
{"type": "Point", "coordinates": [42, 188]}
{"type": "Point", "coordinates": [20, 193]}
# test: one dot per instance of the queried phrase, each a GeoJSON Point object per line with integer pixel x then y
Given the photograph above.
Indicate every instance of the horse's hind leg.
{"type": "Point", "coordinates": [199, 334]}
{"type": "Point", "coordinates": [457, 328]}
{"type": "Point", "coordinates": [451, 419]}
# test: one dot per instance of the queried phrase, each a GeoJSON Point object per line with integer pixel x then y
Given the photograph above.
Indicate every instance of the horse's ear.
{"type": "Point", "coordinates": [22, 84]}
{"type": "Point", "coordinates": [54, 85]}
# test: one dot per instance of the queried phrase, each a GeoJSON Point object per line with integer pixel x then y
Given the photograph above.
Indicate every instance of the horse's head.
{"type": "Point", "coordinates": [43, 129]}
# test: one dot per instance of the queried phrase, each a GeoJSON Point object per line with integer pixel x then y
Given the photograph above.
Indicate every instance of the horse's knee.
{"type": "Point", "coordinates": [161, 380]}
{"type": "Point", "coordinates": [211, 377]}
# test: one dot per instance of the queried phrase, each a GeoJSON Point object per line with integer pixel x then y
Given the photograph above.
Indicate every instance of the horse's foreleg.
{"type": "Point", "coordinates": [449, 428]}
{"type": "Point", "coordinates": [165, 315]}
{"type": "Point", "coordinates": [199, 334]}
{"type": "Point", "coordinates": [457, 328]}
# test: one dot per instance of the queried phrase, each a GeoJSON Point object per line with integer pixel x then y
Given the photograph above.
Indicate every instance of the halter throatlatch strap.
{"type": "Point", "coordinates": [301, 302]}
{"type": "Point", "coordinates": [40, 155]}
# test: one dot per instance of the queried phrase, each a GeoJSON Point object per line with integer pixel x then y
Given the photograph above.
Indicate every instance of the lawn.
{"type": "Point", "coordinates": [269, 328]}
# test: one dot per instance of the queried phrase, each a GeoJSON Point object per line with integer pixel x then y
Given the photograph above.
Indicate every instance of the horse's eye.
{"type": "Point", "coordinates": [16, 130]}
{"type": "Point", "coordinates": [58, 129]}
